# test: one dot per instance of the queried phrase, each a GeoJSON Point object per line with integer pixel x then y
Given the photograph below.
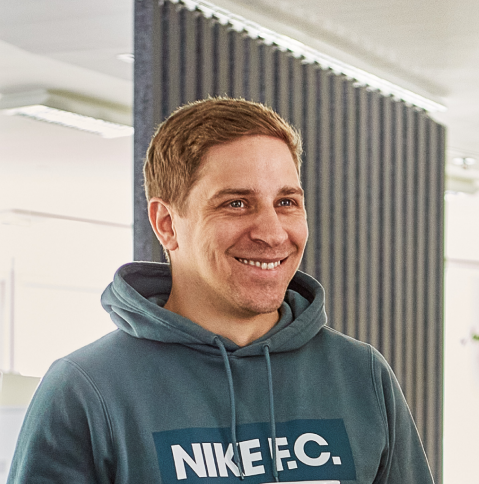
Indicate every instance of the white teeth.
{"type": "Point", "coordinates": [262, 265]}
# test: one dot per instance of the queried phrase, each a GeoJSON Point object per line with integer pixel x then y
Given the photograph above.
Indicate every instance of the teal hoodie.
{"type": "Point", "coordinates": [163, 400]}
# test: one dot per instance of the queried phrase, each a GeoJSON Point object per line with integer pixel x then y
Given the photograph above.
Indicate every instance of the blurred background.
{"type": "Point", "coordinates": [66, 197]}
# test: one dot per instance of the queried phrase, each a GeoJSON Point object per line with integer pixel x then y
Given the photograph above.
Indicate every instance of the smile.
{"type": "Point", "coordinates": [261, 265]}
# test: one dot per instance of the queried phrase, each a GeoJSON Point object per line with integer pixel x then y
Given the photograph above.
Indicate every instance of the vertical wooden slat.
{"type": "Point", "coordinates": [336, 220]}
{"type": "Point", "coordinates": [316, 217]}
{"type": "Point", "coordinates": [282, 89]}
{"type": "Point", "coordinates": [309, 167]}
{"type": "Point", "coordinates": [174, 64]}
{"type": "Point", "coordinates": [164, 54]}
{"type": "Point", "coordinates": [246, 74]}
{"type": "Point", "coordinates": [182, 35]}
{"type": "Point", "coordinates": [206, 58]}
{"type": "Point", "coordinates": [439, 287]}
{"type": "Point", "coordinates": [237, 64]}
{"type": "Point", "coordinates": [420, 276]}
{"type": "Point", "coordinates": [432, 271]}
{"type": "Point", "coordinates": [439, 168]}
{"type": "Point", "coordinates": [189, 66]}
{"type": "Point", "coordinates": [222, 86]}
{"type": "Point", "coordinates": [323, 143]}
{"type": "Point", "coordinates": [386, 273]}
{"type": "Point", "coordinates": [362, 249]}
{"type": "Point", "coordinates": [399, 234]}
{"type": "Point", "coordinates": [267, 55]}
{"type": "Point", "coordinates": [254, 71]}
{"type": "Point", "coordinates": [296, 88]}
{"type": "Point", "coordinates": [350, 187]}
{"type": "Point", "coordinates": [374, 232]}
{"type": "Point", "coordinates": [409, 192]}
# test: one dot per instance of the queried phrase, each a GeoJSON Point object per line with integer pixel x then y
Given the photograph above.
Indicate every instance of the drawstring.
{"type": "Point", "coordinates": [236, 457]}
{"type": "Point", "coordinates": [271, 410]}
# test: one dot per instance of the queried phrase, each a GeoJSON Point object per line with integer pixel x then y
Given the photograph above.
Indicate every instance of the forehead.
{"type": "Point", "coordinates": [250, 159]}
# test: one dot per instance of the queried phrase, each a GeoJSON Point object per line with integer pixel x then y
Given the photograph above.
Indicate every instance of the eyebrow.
{"type": "Point", "coordinates": [241, 192]}
{"type": "Point", "coordinates": [292, 191]}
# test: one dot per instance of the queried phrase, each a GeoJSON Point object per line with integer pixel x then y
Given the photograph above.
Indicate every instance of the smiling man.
{"type": "Point", "coordinates": [223, 368]}
{"type": "Point", "coordinates": [239, 240]}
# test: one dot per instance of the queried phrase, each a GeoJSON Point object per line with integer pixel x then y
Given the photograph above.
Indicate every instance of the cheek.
{"type": "Point", "coordinates": [214, 240]}
{"type": "Point", "coordinates": [299, 231]}
{"type": "Point", "coordinates": [227, 232]}
{"type": "Point", "coordinates": [305, 231]}
{"type": "Point", "coordinates": [183, 234]}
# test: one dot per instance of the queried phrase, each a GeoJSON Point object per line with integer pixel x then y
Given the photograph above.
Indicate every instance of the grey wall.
{"type": "Point", "coordinates": [373, 176]}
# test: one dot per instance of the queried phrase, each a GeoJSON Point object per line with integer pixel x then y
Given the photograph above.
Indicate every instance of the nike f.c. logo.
{"type": "Point", "coordinates": [306, 450]}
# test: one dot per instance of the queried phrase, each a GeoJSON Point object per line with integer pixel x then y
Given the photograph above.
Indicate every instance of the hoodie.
{"type": "Point", "coordinates": [163, 400]}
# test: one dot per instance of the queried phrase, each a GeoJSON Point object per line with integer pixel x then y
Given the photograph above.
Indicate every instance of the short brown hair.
{"type": "Point", "coordinates": [181, 142]}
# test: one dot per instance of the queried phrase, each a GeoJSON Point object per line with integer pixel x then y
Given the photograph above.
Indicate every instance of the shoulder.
{"type": "Point", "coordinates": [346, 346]}
{"type": "Point", "coordinates": [361, 360]}
{"type": "Point", "coordinates": [115, 348]}
{"type": "Point", "coordinates": [350, 348]}
{"type": "Point", "coordinates": [97, 367]}
{"type": "Point", "coordinates": [365, 359]}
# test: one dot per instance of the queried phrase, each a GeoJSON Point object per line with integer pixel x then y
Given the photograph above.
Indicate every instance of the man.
{"type": "Point", "coordinates": [224, 355]}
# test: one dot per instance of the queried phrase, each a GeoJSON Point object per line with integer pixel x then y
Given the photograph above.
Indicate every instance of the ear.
{"type": "Point", "coordinates": [160, 214]}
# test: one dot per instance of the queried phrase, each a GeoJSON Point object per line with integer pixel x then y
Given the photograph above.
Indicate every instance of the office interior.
{"type": "Point", "coordinates": [67, 194]}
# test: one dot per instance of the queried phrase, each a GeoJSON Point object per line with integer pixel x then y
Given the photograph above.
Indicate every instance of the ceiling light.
{"type": "Point", "coordinates": [459, 179]}
{"type": "Point", "coordinates": [128, 58]}
{"type": "Point", "coordinates": [465, 162]}
{"type": "Point", "coordinates": [65, 109]}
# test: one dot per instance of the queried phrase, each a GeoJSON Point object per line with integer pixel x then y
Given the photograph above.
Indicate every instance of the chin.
{"type": "Point", "coordinates": [264, 305]}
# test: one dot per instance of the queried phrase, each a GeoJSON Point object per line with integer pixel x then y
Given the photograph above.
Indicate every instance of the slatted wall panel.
{"type": "Point", "coordinates": [372, 173]}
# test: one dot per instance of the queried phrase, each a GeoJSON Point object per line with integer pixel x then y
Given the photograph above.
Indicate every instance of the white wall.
{"type": "Point", "coordinates": [53, 270]}
{"type": "Point", "coordinates": [461, 352]}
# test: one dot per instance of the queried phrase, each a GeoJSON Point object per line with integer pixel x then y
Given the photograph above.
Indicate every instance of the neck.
{"type": "Point", "coordinates": [242, 330]}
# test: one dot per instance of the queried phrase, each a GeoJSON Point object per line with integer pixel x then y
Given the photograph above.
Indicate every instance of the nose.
{"type": "Point", "coordinates": [268, 228]}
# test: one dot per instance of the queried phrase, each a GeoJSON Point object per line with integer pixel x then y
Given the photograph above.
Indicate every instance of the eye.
{"type": "Point", "coordinates": [236, 204]}
{"type": "Point", "coordinates": [286, 202]}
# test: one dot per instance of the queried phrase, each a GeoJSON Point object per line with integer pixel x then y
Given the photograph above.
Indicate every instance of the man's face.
{"type": "Point", "coordinates": [244, 232]}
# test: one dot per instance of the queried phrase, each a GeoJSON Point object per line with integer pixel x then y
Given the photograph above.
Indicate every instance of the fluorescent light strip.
{"type": "Point", "coordinates": [129, 58]}
{"type": "Point", "coordinates": [310, 55]}
{"type": "Point", "coordinates": [68, 119]}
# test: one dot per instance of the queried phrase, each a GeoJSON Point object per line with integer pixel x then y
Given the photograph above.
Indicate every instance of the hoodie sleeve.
{"type": "Point", "coordinates": [66, 435]}
{"type": "Point", "coordinates": [404, 459]}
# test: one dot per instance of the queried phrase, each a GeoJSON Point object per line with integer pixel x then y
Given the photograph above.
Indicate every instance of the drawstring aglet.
{"type": "Point", "coordinates": [237, 461]}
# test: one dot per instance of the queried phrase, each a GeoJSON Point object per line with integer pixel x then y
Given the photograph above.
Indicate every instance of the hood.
{"type": "Point", "coordinates": [135, 298]}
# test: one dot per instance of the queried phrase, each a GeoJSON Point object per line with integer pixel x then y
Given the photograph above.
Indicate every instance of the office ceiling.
{"type": "Point", "coordinates": [430, 47]}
